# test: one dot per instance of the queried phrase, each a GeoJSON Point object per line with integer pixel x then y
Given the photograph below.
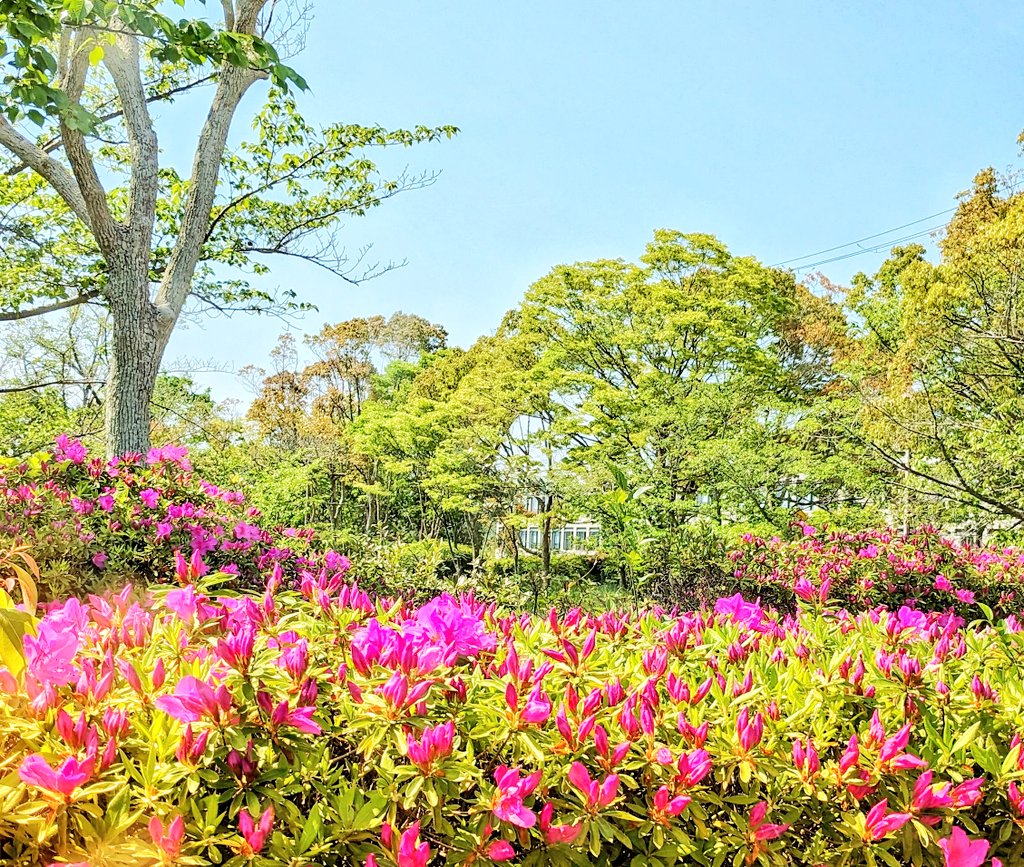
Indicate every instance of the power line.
{"type": "Point", "coordinates": [875, 249]}
{"type": "Point", "coordinates": [867, 238]}
{"type": "Point", "coordinates": [1004, 188]}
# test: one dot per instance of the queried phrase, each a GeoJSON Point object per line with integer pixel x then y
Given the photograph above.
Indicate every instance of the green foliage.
{"type": "Point", "coordinates": [31, 30]}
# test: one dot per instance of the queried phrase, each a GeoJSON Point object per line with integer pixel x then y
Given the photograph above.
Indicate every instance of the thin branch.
{"type": "Point", "coordinates": [55, 144]}
{"type": "Point", "coordinates": [35, 386]}
{"type": "Point", "coordinates": [17, 316]}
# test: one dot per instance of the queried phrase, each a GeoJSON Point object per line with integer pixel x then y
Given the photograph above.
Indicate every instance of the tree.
{"type": "Point", "coordinates": [93, 216]}
{"type": "Point", "coordinates": [940, 371]}
{"type": "Point", "coordinates": [692, 375]}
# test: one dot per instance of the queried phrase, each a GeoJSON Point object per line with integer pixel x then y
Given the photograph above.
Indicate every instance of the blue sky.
{"type": "Point", "coordinates": [781, 127]}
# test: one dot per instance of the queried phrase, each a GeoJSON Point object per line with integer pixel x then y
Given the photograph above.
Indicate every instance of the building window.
{"type": "Point", "coordinates": [595, 535]}
{"type": "Point", "coordinates": [522, 537]}
{"type": "Point", "coordinates": [581, 537]}
{"type": "Point", "coordinates": [556, 539]}
{"type": "Point", "coordinates": [533, 539]}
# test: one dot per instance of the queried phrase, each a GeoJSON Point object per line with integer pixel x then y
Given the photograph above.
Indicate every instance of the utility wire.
{"type": "Point", "coordinates": [860, 251]}
{"type": "Point", "coordinates": [875, 249]}
{"type": "Point", "coordinates": [867, 238]}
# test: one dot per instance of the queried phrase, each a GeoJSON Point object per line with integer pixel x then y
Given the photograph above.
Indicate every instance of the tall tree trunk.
{"type": "Point", "coordinates": [137, 343]}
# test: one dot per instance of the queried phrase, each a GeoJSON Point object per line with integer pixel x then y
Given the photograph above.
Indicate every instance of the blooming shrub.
{"type": "Point", "coordinates": [90, 521]}
{"type": "Point", "coordinates": [318, 726]}
{"type": "Point", "coordinates": [882, 567]}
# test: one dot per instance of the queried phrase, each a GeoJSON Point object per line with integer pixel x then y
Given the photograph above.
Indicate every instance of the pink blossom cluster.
{"type": "Point", "coordinates": [133, 515]}
{"type": "Point", "coordinates": [881, 567]}
{"type": "Point", "coordinates": [315, 719]}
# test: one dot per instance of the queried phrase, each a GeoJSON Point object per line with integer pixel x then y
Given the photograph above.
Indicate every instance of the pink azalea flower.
{"type": "Point", "coordinates": [554, 834]}
{"type": "Point", "coordinates": [508, 800]}
{"type": "Point", "coordinates": [254, 834]}
{"type": "Point", "coordinates": [879, 824]}
{"type": "Point", "coordinates": [409, 852]}
{"type": "Point", "coordinates": [596, 795]}
{"type": "Point", "coordinates": [50, 653]}
{"type": "Point", "coordinates": [959, 850]}
{"type": "Point", "coordinates": [759, 829]}
{"type": "Point", "coordinates": [167, 841]}
{"type": "Point", "coordinates": [194, 700]}
{"type": "Point", "coordinates": [500, 850]}
{"type": "Point", "coordinates": [63, 781]}
{"type": "Point", "coordinates": [434, 744]}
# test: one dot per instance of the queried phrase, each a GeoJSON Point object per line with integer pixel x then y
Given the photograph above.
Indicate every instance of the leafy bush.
{"type": "Point", "coordinates": [92, 522]}
{"type": "Point", "coordinates": [881, 567]}
{"type": "Point", "coordinates": [316, 726]}
{"type": "Point", "coordinates": [575, 580]}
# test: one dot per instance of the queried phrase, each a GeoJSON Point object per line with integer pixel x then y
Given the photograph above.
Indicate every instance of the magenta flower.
{"type": "Point", "coordinates": [500, 850]}
{"type": "Point", "coordinates": [929, 796]}
{"type": "Point", "coordinates": [596, 795]}
{"type": "Point", "coordinates": [70, 450]}
{"type": "Point", "coordinates": [968, 793]}
{"type": "Point", "coordinates": [300, 718]}
{"type": "Point", "coordinates": [194, 700]}
{"type": "Point", "coordinates": [167, 841]}
{"type": "Point", "coordinates": [187, 603]}
{"type": "Point", "coordinates": [254, 834]}
{"type": "Point", "coordinates": [191, 748]}
{"type": "Point", "coordinates": [750, 731]}
{"type": "Point", "coordinates": [150, 498]}
{"type": "Point", "coordinates": [805, 758]}
{"type": "Point", "coordinates": [63, 781]}
{"type": "Point", "coordinates": [667, 806]}
{"type": "Point", "coordinates": [692, 767]}
{"type": "Point", "coordinates": [760, 830]}
{"type": "Point", "coordinates": [959, 850]}
{"type": "Point", "coordinates": [409, 851]}
{"type": "Point", "coordinates": [508, 800]}
{"type": "Point", "coordinates": [434, 744]}
{"type": "Point", "coordinates": [236, 650]}
{"type": "Point", "coordinates": [50, 653]}
{"type": "Point", "coordinates": [554, 834]}
{"type": "Point", "coordinates": [878, 823]}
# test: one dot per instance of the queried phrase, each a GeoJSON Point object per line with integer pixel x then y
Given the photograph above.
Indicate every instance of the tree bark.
{"type": "Point", "coordinates": [137, 345]}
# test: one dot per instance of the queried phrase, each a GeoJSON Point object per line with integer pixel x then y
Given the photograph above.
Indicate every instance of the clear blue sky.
{"type": "Point", "coordinates": [782, 127]}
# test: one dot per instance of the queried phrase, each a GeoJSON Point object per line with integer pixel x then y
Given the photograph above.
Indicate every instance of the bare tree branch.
{"type": "Point", "coordinates": [101, 221]}
{"type": "Point", "coordinates": [37, 385]}
{"type": "Point", "coordinates": [17, 316]}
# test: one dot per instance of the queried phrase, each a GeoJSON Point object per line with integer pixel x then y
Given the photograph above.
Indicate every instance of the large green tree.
{"type": "Point", "coordinates": [693, 376]}
{"type": "Point", "coordinates": [940, 367]}
{"type": "Point", "coordinates": [93, 213]}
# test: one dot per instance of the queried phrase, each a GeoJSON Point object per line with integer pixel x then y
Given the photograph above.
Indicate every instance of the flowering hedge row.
{"type": "Point", "coordinates": [319, 726]}
{"type": "Point", "coordinates": [882, 567]}
{"type": "Point", "coordinates": [145, 518]}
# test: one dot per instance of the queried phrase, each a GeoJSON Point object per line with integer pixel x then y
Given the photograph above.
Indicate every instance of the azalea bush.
{"type": "Point", "coordinates": [882, 567]}
{"type": "Point", "coordinates": [94, 522]}
{"type": "Point", "coordinates": [316, 725]}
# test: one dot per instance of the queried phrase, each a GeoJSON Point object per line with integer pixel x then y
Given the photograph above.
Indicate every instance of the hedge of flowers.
{"type": "Point", "coordinates": [143, 517]}
{"type": "Point", "coordinates": [882, 567]}
{"type": "Point", "coordinates": [318, 726]}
